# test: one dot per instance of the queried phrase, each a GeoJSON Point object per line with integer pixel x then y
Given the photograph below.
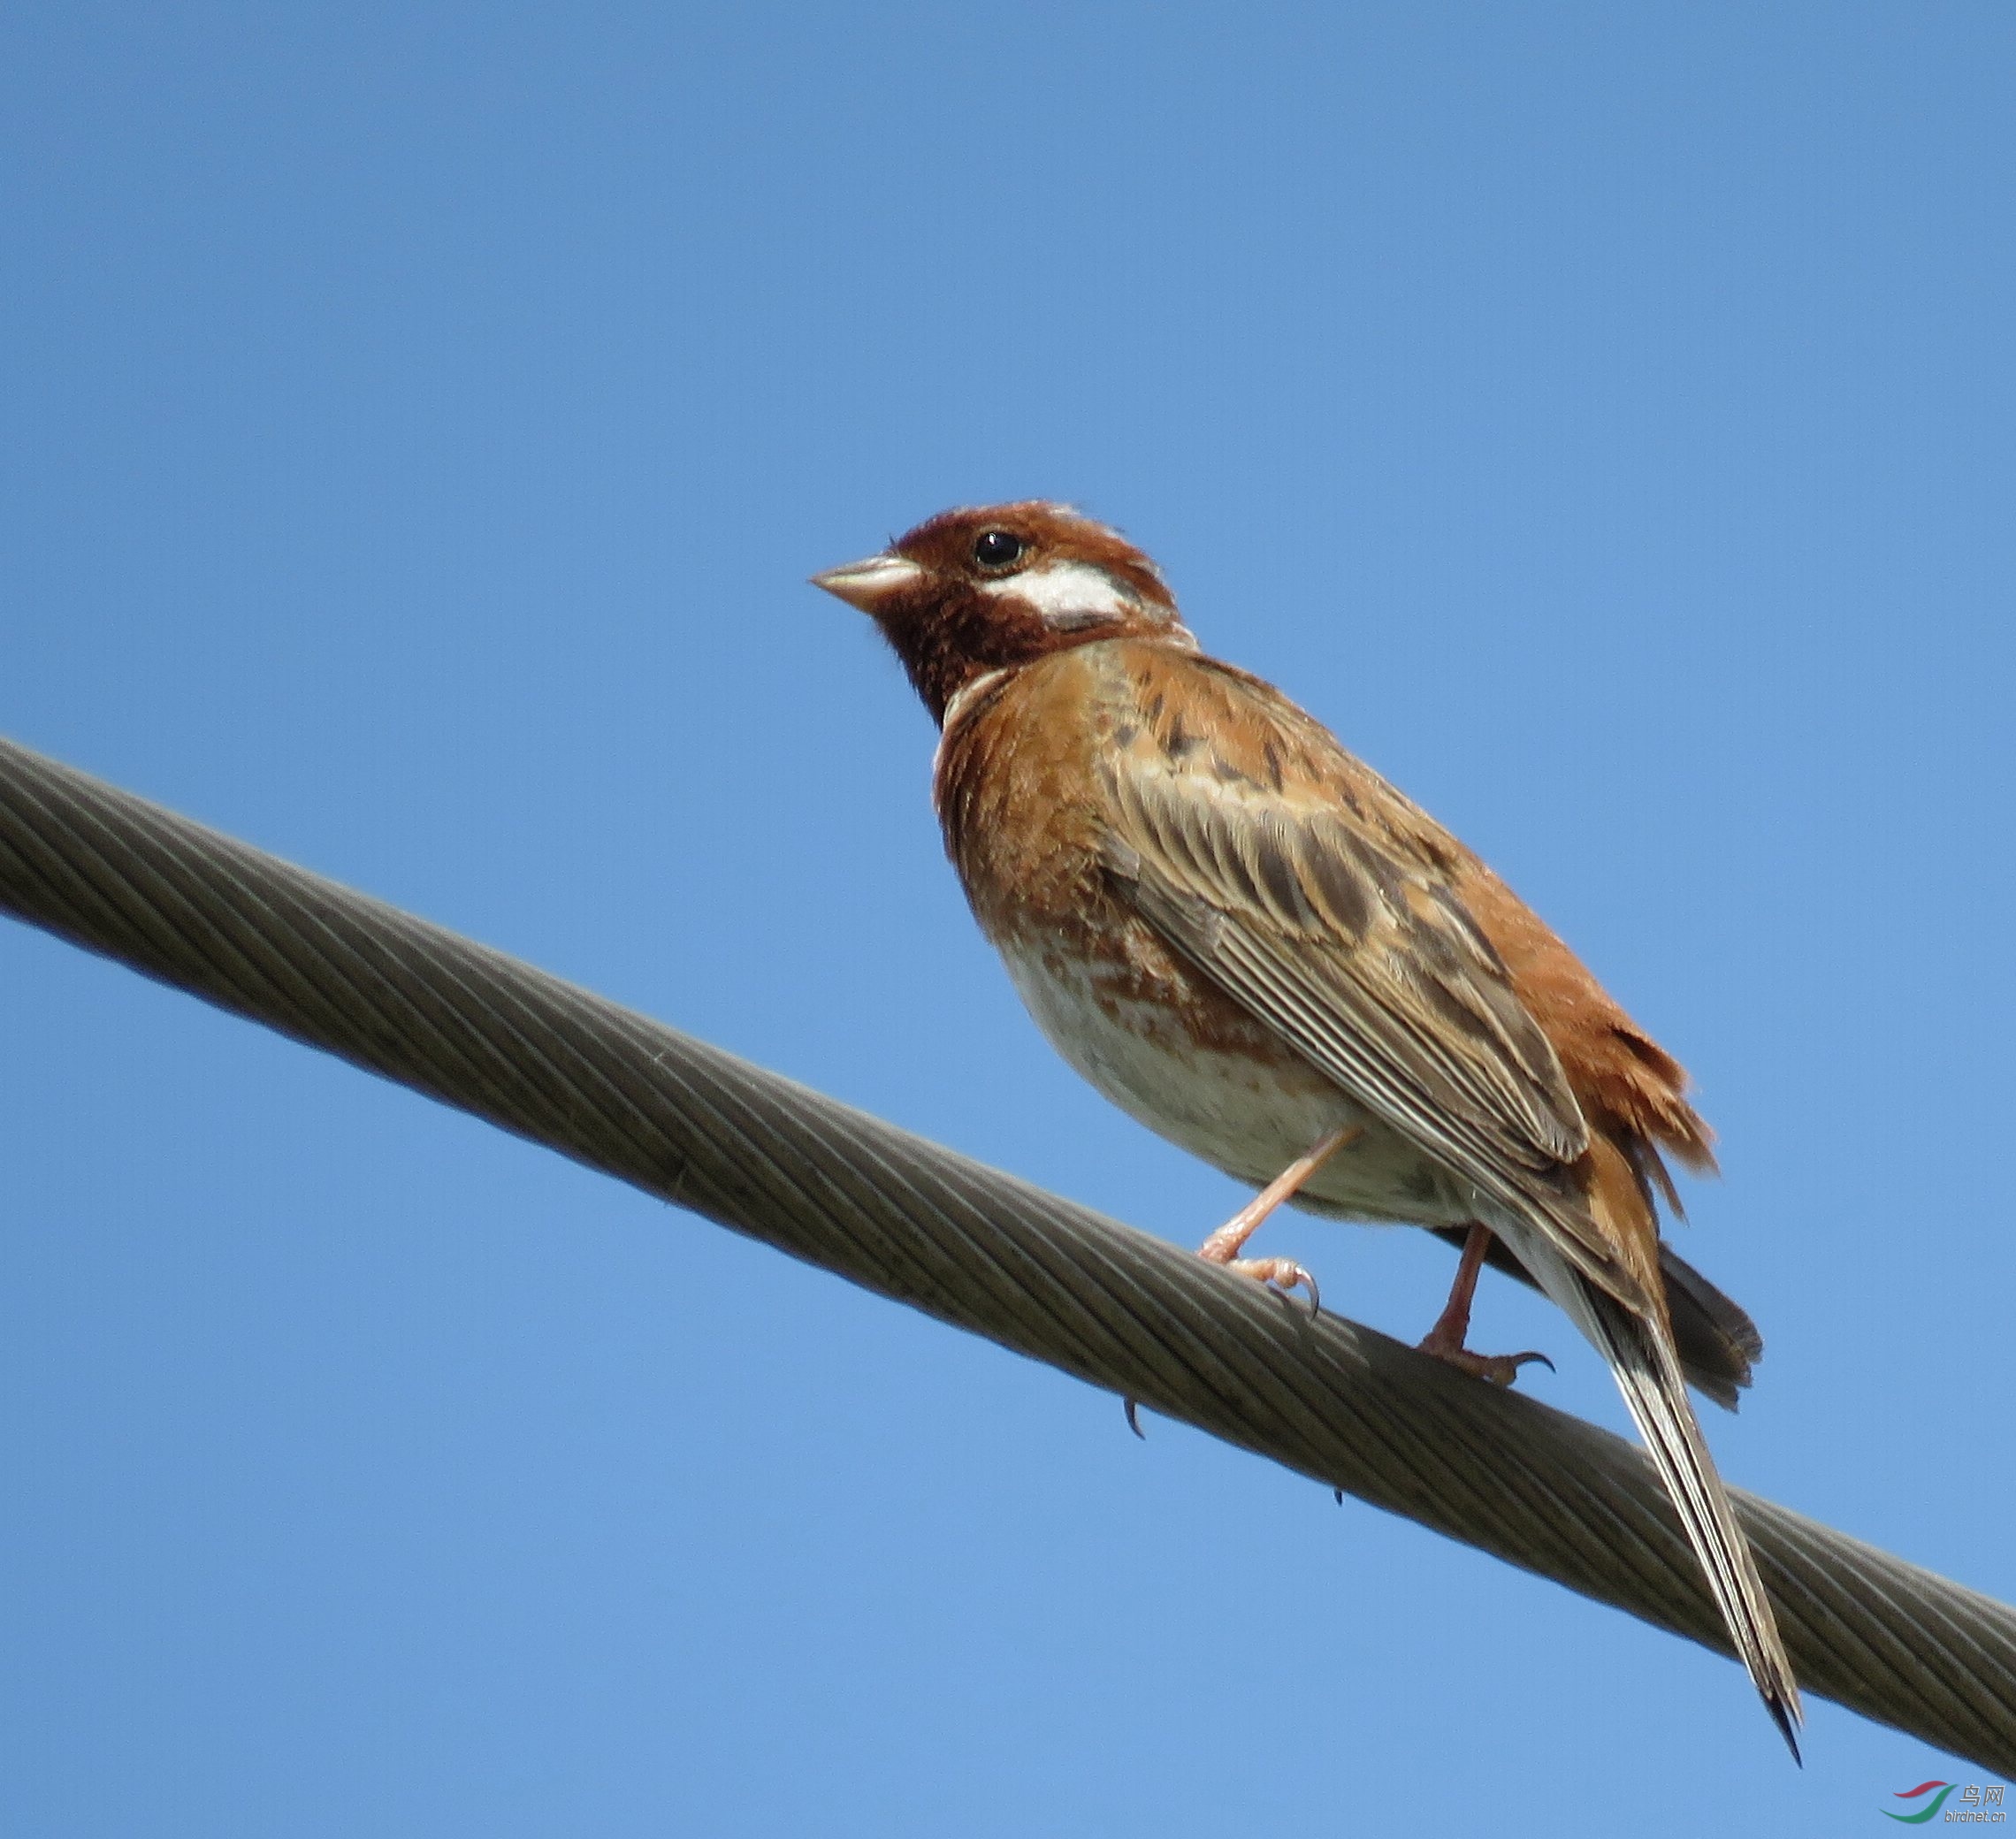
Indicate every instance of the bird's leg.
{"type": "Point", "coordinates": [1452, 1327]}
{"type": "Point", "coordinates": [1224, 1245]}
{"type": "Point", "coordinates": [1446, 1340]}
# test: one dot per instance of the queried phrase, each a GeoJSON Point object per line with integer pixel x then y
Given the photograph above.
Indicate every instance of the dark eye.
{"type": "Point", "coordinates": [996, 549]}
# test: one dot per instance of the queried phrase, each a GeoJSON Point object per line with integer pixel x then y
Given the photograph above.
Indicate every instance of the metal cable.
{"type": "Point", "coordinates": [974, 1246]}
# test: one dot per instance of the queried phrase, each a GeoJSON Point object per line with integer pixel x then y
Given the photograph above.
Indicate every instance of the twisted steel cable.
{"type": "Point", "coordinates": [974, 1246]}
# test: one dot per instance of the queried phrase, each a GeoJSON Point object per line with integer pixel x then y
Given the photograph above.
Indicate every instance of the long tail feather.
{"type": "Point", "coordinates": [1641, 1354]}
{"type": "Point", "coordinates": [1648, 1374]}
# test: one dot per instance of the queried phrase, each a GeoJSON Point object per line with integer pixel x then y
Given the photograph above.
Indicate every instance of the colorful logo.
{"type": "Point", "coordinates": [1927, 1812]}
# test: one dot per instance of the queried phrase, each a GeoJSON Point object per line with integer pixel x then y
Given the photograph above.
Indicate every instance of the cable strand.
{"type": "Point", "coordinates": [972, 1246]}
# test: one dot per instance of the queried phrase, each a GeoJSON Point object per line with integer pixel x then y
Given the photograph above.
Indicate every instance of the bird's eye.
{"type": "Point", "coordinates": [996, 549]}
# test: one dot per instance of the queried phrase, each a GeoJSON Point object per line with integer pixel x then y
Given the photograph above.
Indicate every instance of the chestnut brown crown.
{"type": "Point", "coordinates": [991, 587]}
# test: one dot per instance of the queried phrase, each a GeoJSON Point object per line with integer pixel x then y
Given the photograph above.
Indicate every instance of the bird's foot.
{"type": "Point", "coordinates": [1499, 1368]}
{"type": "Point", "coordinates": [1282, 1274]}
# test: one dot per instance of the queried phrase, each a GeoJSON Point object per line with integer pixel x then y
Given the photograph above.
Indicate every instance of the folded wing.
{"type": "Point", "coordinates": [1323, 903]}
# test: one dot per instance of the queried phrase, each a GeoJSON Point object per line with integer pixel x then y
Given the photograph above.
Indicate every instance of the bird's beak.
{"type": "Point", "coordinates": [868, 584]}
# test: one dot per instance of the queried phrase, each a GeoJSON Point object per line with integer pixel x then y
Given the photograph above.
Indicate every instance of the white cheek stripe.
{"type": "Point", "coordinates": [1068, 590]}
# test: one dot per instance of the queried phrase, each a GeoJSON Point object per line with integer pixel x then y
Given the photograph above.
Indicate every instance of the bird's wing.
{"type": "Point", "coordinates": [1323, 903]}
{"type": "Point", "coordinates": [1326, 906]}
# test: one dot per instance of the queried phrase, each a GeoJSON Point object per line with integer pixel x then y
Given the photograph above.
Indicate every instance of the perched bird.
{"type": "Point", "coordinates": [1250, 941]}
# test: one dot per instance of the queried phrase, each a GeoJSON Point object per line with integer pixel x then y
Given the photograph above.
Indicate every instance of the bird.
{"type": "Point", "coordinates": [1247, 939]}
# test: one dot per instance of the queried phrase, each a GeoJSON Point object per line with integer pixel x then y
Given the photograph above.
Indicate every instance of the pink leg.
{"type": "Point", "coordinates": [1224, 1245]}
{"type": "Point", "coordinates": [1446, 1340]}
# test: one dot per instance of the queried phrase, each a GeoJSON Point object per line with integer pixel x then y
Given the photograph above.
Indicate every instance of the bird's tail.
{"type": "Point", "coordinates": [1648, 1374]}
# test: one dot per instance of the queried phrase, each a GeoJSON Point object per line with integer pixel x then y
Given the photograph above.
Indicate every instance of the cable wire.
{"type": "Point", "coordinates": [973, 1247]}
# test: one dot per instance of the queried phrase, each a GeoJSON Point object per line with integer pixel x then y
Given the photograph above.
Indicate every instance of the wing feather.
{"type": "Point", "coordinates": [1297, 892]}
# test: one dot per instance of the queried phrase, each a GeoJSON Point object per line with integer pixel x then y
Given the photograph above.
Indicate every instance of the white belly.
{"type": "Point", "coordinates": [1241, 1114]}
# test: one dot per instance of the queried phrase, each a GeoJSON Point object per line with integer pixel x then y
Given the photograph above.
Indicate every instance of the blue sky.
{"type": "Point", "coordinates": [420, 422]}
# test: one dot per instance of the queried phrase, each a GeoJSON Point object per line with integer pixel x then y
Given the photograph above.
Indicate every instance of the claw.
{"type": "Point", "coordinates": [1499, 1368]}
{"type": "Point", "coordinates": [1223, 1246]}
{"type": "Point", "coordinates": [1282, 1274]}
{"type": "Point", "coordinates": [1133, 1421]}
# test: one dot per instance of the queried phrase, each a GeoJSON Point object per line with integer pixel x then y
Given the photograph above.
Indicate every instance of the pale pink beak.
{"type": "Point", "coordinates": [869, 581]}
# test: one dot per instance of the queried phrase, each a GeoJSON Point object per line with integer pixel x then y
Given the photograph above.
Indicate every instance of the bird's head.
{"type": "Point", "coordinates": [974, 590]}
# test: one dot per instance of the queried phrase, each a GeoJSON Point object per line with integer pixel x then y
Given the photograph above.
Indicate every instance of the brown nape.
{"type": "Point", "coordinates": [961, 619]}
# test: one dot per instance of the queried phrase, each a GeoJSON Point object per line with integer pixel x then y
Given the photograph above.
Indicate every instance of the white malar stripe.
{"type": "Point", "coordinates": [1068, 593]}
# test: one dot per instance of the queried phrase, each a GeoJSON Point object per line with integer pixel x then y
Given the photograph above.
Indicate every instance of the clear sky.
{"type": "Point", "coordinates": [419, 423]}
